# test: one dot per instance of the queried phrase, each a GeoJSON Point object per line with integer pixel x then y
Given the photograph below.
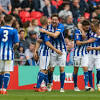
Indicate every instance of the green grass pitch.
{"type": "Point", "coordinates": [54, 95]}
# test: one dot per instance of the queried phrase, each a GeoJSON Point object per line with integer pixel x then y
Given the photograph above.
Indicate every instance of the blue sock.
{"type": "Point", "coordinates": [75, 79]}
{"type": "Point", "coordinates": [62, 79]}
{"type": "Point", "coordinates": [46, 79]}
{"type": "Point", "coordinates": [50, 76]}
{"type": "Point", "coordinates": [90, 78]}
{"type": "Point", "coordinates": [41, 76]}
{"type": "Point", "coordinates": [6, 80]}
{"type": "Point", "coordinates": [86, 78]}
{"type": "Point", "coordinates": [98, 76]}
{"type": "Point", "coordinates": [1, 80]}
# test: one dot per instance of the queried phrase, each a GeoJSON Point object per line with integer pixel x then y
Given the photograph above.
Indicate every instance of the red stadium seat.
{"type": "Point", "coordinates": [24, 14]}
{"type": "Point", "coordinates": [36, 14]}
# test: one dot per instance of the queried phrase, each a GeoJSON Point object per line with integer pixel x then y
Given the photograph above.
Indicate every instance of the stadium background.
{"type": "Point", "coordinates": [24, 77]}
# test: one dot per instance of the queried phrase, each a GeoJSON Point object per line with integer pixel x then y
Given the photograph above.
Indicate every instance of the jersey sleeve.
{"type": "Point", "coordinates": [97, 41]}
{"type": "Point", "coordinates": [16, 38]}
{"type": "Point", "coordinates": [77, 35]}
{"type": "Point", "coordinates": [46, 38]}
{"type": "Point", "coordinates": [60, 28]}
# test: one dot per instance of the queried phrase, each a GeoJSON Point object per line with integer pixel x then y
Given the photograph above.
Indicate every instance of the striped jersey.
{"type": "Point", "coordinates": [94, 44]}
{"type": "Point", "coordinates": [8, 37]}
{"type": "Point", "coordinates": [58, 42]}
{"type": "Point", "coordinates": [79, 50]}
{"type": "Point", "coordinates": [44, 49]}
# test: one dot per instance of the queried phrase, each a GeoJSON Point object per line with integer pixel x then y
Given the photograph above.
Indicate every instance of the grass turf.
{"type": "Point", "coordinates": [54, 95]}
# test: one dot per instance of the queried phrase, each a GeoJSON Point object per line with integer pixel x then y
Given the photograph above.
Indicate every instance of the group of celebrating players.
{"type": "Point", "coordinates": [51, 51]}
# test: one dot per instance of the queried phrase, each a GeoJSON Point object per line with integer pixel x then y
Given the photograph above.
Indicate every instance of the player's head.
{"type": "Point", "coordinates": [55, 20]}
{"type": "Point", "coordinates": [44, 20]}
{"type": "Point", "coordinates": [85, 25]}
{"type": "Point", "coordinates": [94, 25]}
{"type": "Point", "coordinates": [8, 19]}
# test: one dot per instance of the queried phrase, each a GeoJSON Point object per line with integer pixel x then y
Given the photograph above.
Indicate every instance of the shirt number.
{"type": "Point", "coordinates": [5, 35]}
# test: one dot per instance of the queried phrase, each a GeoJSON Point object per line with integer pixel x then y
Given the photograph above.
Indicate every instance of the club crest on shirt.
{"type": "Point", "coordinates": [77, 36]}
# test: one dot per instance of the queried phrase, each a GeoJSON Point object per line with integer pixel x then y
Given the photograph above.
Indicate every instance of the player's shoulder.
{"type": "Point", "coordinates": [8, 28]}
{"type": "Point", "coordinates": [77, 31]}
{"type": "Point", "coordinates": [60, 25]}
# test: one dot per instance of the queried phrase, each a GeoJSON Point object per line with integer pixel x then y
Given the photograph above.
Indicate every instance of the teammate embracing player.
{"type": "Point", "coordinates": [56, 32]}
{"type": "Point", "coordinates": [81, 54]}
{"type": "Point", "coordinates": [44, 54]}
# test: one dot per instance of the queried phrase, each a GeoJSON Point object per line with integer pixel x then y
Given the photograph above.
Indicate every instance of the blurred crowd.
{"type": "Point", "coordinates": [27, 13]}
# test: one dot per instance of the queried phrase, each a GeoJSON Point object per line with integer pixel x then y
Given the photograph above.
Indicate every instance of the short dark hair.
{"type": "Point", "coordinates": [86, 22]}
{"type": "Point", "coordinates": [55, 15]}
{"type": "Point", "coordinates": [7, 18]}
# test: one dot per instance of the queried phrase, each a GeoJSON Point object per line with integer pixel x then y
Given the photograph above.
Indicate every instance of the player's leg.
{"type": "Point", "coordinates": [43, 73]}
{"type": "Point", "coordinates": [62, 78]}
{"type": "Point", "coordinates": [84, 64]}
{"type": "Point", "coordinates": [1, 82]}
{"type": "Point", "coordinates": [6, 81]}
{"type": "Point", "coordinates": [1, 75]}
{"type": "Point", "coordinates": [97, 65]}
{"type": "Point", "coordinates": [75, 78]}
{"type": "Point", "coordinates": [8, 67]}
{"type": "Point", "coordinates": [90, 69]}
{"type": "Point", "coordinates": [76, 67]}
{"type": "Point", "coordinates": [50, 74]}
{"type": "Point", "coordinates": [62, 64]}
{"type": "Point", "coordinates": [53, 63]}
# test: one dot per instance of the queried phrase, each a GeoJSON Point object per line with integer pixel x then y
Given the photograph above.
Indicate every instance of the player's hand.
{"type": "Point", "coordinates": [42, 30]}
{"type": "Point", "coordinates": [36, 57]}
{"type": "Point", "coordinates": [58, 52]}
{"type": "Point", "coordinates": [89, 48]}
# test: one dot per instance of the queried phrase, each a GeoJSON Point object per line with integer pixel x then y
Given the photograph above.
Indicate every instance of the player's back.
{"type": "Point", "coordinates": [8, 37]}
{"type": "Point", "coordinates": [44, 49]}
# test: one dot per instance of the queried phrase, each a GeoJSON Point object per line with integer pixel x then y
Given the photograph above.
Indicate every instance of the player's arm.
{"type": "Point", "coordinates": [39, 41]}
{"type": "Point", "coordinates": [82, 31]}
{"type": "Point", "coordinates": [54, 35]}
{"type": "Point", "coordinates": [93, 48]}
{"type": "Point", "coordinates": [53, 48]}
{"type": "Point", "coordinates": [86, 42]}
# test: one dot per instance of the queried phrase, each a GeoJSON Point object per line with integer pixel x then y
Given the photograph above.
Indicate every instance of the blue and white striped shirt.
{"type": "Point", "coordinates": [94, 44]}
{"type": "Point", "coordinates": [58, 42]}
{"type": "Point", "coordinates": [79, 50]}
{"type": "Point", "coordinates": [44, 49]}
{"type": "Point", "coordinates": [8, 37]}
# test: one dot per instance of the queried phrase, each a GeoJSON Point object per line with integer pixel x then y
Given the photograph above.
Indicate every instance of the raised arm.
{"type": "Point", "coordinates": [93, 48]}
{"type": "Point", "coordinates": [85, 42]}
{"type": "Point", "coordinates": [54, 35]}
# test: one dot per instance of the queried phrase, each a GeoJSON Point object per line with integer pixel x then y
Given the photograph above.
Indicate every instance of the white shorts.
{"type": "Point", "coordinates": [94, 61]}
{"type": "Point", "coordinates": [56, 59]}
{"type": "Point", "coordinates": [81, 61]}
{"type": "Point", "coordinates": [6, 65]}
{"type": "Point", "coordinates": [44, 62]}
